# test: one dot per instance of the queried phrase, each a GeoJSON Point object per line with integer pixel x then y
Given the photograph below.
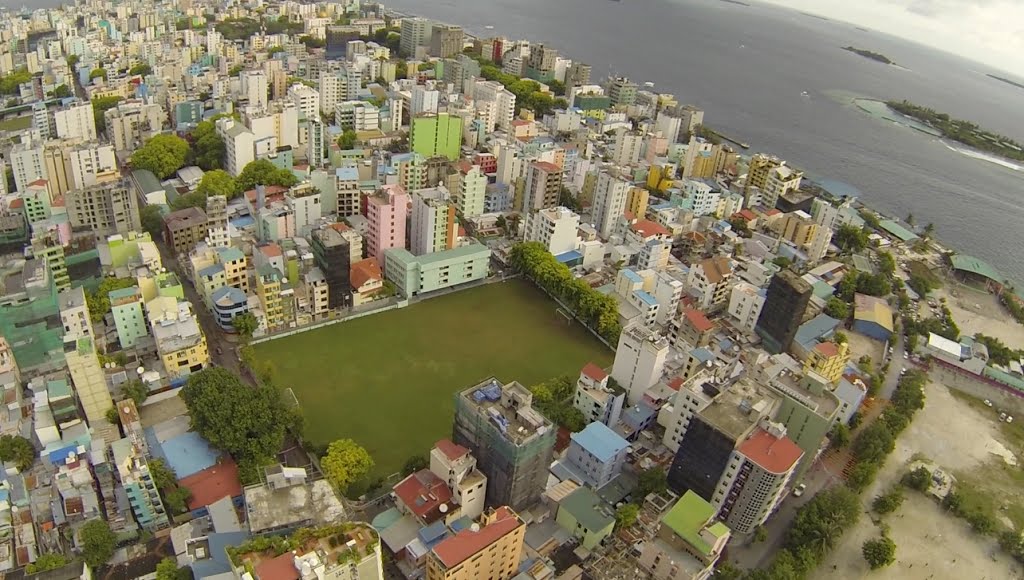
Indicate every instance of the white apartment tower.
{"type": "Point", "coordinates": [610, 196]}
{"type": "Point", "coordinates": [255, 88]}
{"type": "Point", "coordinates": [639, 361]}
{"type": "Point", "coordinates": [423, 101]}
{"type": "Point", "coordinates": [432, 221]}
{"type": "Point", "coordinates": [76, 121]}
{"type": "Point", "coordinates": [555, 227]}
{"type": "Point", "coordinates": [306, 99]}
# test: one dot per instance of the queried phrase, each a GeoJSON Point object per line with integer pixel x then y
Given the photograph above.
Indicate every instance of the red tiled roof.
{"type": "Point", "coordinates": [594, 372]}
{"type": "Point", "coordinates": [648, 228]}
{"type": "Point", "coordinates": [279, 568]}
{"type": "Point", "coordinates": [828, 349]}
{"type": "Point", "coordinates": [270, 193]}
{"type": "Point", "coordinates": [212, 484]}
{"type": "Point", "coordinates": [773, 454]}
{"type": "Point", "coordinates": [16, 203]}
{"type": "Point", "coordinates": [423, 492]}
{"type": "Point", "coordinates": [458, 548]}
{"type": "Point", "coordinates": [451, 450]}
{"type": "Point", "coordinates": [364, 271]}
{"type": "Point", "coordinates": [695, 237]}
{"type": "Point", "coordinates": [38, 183]}
{"type": "Point", "coordinates": [58, 202]}
{"type": "Point", "coordinates": [747, 214]}
{"type": "Point", "coordinates": [629, 215]}
{"type": "Point", "coordinates": [676, 383]}
{"type": "Point", "coordinates": [698, 320]}
{"type": "Point", "coordinates": [547, 166]}
{"type": "Point", "coordinates": [773, 212]}
{"type": "Point", "coordinates": [339, 227]}
{"type": "Point", "coordinates": [271, 250]}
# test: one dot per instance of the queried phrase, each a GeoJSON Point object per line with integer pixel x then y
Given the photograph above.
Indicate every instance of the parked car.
{"type": "Point", "coordinates": [799, 490]}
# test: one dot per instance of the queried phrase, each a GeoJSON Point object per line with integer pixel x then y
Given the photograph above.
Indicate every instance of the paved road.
{"type": "Point", "coordinates": [899, 360]}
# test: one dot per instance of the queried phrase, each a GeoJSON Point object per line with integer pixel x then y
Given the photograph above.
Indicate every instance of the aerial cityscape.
{"type": "Point", "coordinates": [309, 290]}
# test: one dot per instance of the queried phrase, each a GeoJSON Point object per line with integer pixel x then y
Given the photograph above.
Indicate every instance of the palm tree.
{"type": "Point", "coordinates": [929, 230]}
{"type": "Point", "coordinates": [910, 219]}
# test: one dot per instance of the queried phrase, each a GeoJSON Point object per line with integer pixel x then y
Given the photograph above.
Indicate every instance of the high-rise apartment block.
{"type": "Point", "coordinates": [543, 186]}
{"type": "Point", "coordinates": [639, 361]}
{"type": "Point", "coordinates": [432, 223]}
{"type": "Point", "coordinates": [332, 254]}
{"type": "Point", "coordinates": [387, 211]}
{"type": "Point", "coordinates": [491, 549]}
{"type": "Point", "coordinates": [783, 311]}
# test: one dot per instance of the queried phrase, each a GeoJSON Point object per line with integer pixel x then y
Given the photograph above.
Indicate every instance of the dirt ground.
{"type": "Point", "coordinates": [861, 345]}
{"type": "Point", "coordinates": [980, 312]}
{"type": "Point", "coordinates": [930, 543]}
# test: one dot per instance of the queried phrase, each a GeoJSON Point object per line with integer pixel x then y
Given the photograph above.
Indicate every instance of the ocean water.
{"type": "Point", "coordinates": [748, 66]}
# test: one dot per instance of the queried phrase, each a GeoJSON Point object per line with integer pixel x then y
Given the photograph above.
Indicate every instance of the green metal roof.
{"type": "Point", "coordinates": [147, 180]}
{"type": "Point", "coordinates": [583, 504]}
{"type": "Point", "coordinates": [472, 250]}
{"type": "Point", "coordinates": [897, 230]}
{"type": "Point", "coordinates": [689, 516]}
{"type": "Point", "coordinates": [975, 266]}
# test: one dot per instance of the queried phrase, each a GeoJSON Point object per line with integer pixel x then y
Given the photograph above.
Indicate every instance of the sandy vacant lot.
{"type": "Point", "coordinates": [930, 543]}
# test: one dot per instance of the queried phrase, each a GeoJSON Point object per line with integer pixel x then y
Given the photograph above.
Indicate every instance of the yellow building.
{"type": "Point", "coordinates": [828, 359]}
{"type": "Point", "coordinates": [636, 201]}
{"type": "Point", "coordinates": [268, 288]}
{"type": "Point", "coordinates": [179, 340]}
{"type": "Point", "coordinates": [491, 549]}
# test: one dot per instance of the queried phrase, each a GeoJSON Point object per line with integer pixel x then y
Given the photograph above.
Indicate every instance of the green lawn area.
{"type": "Point", "coordinates": [388, 380]}
{"type": "Point", "coordinates": [16, 124]}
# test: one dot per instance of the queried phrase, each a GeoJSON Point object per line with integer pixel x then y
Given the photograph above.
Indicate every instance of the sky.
{"type": "Point", "coordinates": [987, 31]}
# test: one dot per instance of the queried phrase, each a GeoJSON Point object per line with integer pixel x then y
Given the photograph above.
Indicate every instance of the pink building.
{"type": "Point", "coordinates": [387, 211]}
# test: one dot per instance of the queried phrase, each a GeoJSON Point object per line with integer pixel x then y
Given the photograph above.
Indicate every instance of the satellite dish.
{"type": "Point", "coordinates": [140, 370]}
{"type": "Point", "coordinates": [475, 527]}
{"type": "Point", "coordinates": [443, 508]}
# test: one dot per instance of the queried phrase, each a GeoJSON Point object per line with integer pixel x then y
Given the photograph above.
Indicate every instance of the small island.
{"type": "Point", "coordinates": [1005, 80]}
{"type": "Point", "coordinates": [964, 132]}
{"type": "Point", "coordinates": [869, 54]}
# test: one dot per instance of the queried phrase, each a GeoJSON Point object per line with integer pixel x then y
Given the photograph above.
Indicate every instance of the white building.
{"type": "Point", "coordinates": [555, 228]}
{"type": "Point", "coordinates": [627, 148]}
{"type": "Point", "coordinates": [456, 466]}
{"type": "Point", "coordinates": [668, 291]}
{"type": "Point", "coordinates": [596, 398]}
{"type": "Point", "coordinates": [306, 99]}
{"type": "Point", "coordinates": [27, 163]}
{"type": "Point", "coordinates": [76, 122]}
{"type": "Point", "coordinates": [705, 195]}
{"type": "Point", "coordinates": [676, 415]}
{"type": "Point", "coordinates": [89, 162]}
{"type": "Point", "coordinates": [255, 89]}
{"type": "Point", "coordinates": [423, 101]}
{"type": "Point", "coordinates": [610, 196]}
{"type": "Point", "coordinates": [745, 305]}
{"type": "Point", "coordinates": [639, 361]}
{"type": "Point", "coordinates": [357, 116]}
{"type": "Point", "coordinates": [654, 254]}
{"type": "Point", "coordinates": [596, 454]}
{"type": "Point", "coordinates": [472, 190]}
{"type": "Point", "coordinates": [331, 91]}
{"type": "Point", "coordinates": [504, 102]}
{"type": "Point", "coordinates": [432, 221]}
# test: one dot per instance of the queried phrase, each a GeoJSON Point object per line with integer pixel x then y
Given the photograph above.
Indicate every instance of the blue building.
{"type": "Point", "coordinates": [228, 302]}
{"type": "Point", "coordinates": [596, 454]}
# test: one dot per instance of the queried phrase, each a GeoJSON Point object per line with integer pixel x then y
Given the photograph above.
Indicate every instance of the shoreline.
{"type": "Point", "coordinates": [935, 239]}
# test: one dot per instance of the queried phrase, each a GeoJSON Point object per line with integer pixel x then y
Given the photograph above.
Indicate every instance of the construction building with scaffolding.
{"type": "Point", "coordinates": [512, 441]}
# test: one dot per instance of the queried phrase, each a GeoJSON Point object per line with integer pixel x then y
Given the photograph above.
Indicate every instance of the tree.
{"type": "Point", "coordinates": [263, 172]}
{"type": "Point", "coordinates": [347, 140]}
{"type": "Point", "coordinates": [136, 391]}
{"type": "Point", "coordinates": [886, 264]}
{"type": "Point", "coordinates": [346, 462]}
{"type": "Point", "coordinates": [152, 219]}
{"type": "Point", "coordinates": [217, 182]}
{"type": "Point", "coordinates": [11, 82]}
{"type": "Point", "coordinates": [851, 238]}
{"type": "Point", "coordinates": [177, 499]}
{"type": "Point", "coordinates": [141, 69]}
{"type": "Point", "coordinates": [99, 301]}
{"type": "Point", "coordinates": [414, 464]}
{"type": "Point", "coordinates": [98, 73]}
{"type": "Point", "coordinates": [245, 324]}
{"type": "Point", "coordinates": [861, 476]}
{"type": "Point", "coordinates": [557, 87]}
{"type": "Point", "coordinates": [929, 230]}
{"type": "Point", "coordinates": [312, 41]}
{"type": "Point", "coordinates": [919, 479]}
{"type": "Point", "coordinates": [879, 552]}
{"type": "Point", "coordinates": [62, 92]}
{"type": "Point", "coordinates": [626, 515]}
{"type": "Point", "coordinates": [888, 502]}
{"type": "Point", "coordinates": [819, 524]}
{"type": "Point", "coordinates": [19, 450]}
{"type": "Point", "coordinates": [248, 423]}
{"type": "Point", "coordinates": [839, 436]}
{"type": "Point", "coordinates": [782, 262]}
{"type": "Point", "coordinates": [236, 70]}
{"type": "Point", "coordinates": [163, 155]}
{"type": "Point", "coordinates": [653, 480]}
{"type": "Point", "coordinates": [274, 50]}
{"type": "Point", "coordinates": [168, 569]}
{"type": "Point", "coordinates": [163, 476]}
{"type": "Point", "coordinates": [837, 309]}
{"type": "Point", "coordinates": [740, 226]}
{"type": "Point", "coordinates": [46, 562]}
{"type": "Point", "coordinates": [97, 542]}
{"type": "Point", "coordinates": [73, 60]}
{"type": "Point", "coordinates": [208, 148]}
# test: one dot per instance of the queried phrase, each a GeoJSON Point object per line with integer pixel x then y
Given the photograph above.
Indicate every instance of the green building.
{"type": "Point", "coordinates": [437, 135]}
{"type": "Point", "coordinates": [807, 408]}
{"type": "Point", "coordinates": [688, 543]}
{"type": "Point", "coordinates": [126, 306]}
{"type": "Point", "coordinates": [30, 317]}
{"type": "Point", "coordinates": [36, 198]}
{"type": "Point", "coordinates": [46, 247]}
{"type": "Point", "coordinates": [586, 517]}
{"type": "Point", "coordinates": [592, 102]}
{"type": "Point", "coordinates": [414, 275]}
{"type": "Point", "coordinates": [128, 250]}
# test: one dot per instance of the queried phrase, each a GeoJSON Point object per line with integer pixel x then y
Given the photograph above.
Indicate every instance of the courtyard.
{"type": "Point", "coordinates": [388, 380]}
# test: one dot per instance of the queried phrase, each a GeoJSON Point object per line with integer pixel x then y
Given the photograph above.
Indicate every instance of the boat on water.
{"type": "Point", "coordinates": [489, 27]}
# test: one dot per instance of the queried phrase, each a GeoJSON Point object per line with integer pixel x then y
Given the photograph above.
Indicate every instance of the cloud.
{"type": "Point", "coordinates": [988, 31]}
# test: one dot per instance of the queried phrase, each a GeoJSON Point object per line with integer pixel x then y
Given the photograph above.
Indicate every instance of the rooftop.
{"type": "Point", "coordinates": [184, 218]}
{"type": "Point", "coordinates": [738, 408]}
{"type": "Point", "coordinates": [212, 484]}
{"type": "Point", "coordinates": [319, 549]}
{"type": "Point", "coordinates": [600, 441]}
{"type": "Point", "coordinates": [451, 450]}
{"type": "Point", "coordinates": [900, 232]}
{"type": "Point", "coordinates": [508, 408]}
{"type": "Point", "coordinates": [423, 493]}
{"type": "Point", "coordinates": [775, 454]}
{"type": "Point", "coordinates": [595, 372]}
{"type": "Point", "coordinates": [975, 266]}
{"type": "Point", "coordinates": [587, 508]}
{"type": "Point", "coordinates": [270, 509]}
{"type": "Point", "coordinates": [698, 320]}
{"type": "Point", "coordinates": [464, 544]}
{"type": "Point", "coordinates": [872, 309]}
{"type": "Point", "coordinates": [364, 271]}
{"type": "Point", "coordinates": [691, 516]}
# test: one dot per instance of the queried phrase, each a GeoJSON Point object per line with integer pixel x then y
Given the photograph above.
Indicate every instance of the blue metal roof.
{"type": "Point", "coordinates": [188, 454]}
{"type": "Point", "coordinates": [633, 276]}
{"type": "Point", "coordinates": [347, 173]}
{"type": "Point", "coordinates": [702, 354]}
{"type": "Point", "coordinates": [821, 326]}
{"type": "Point", "coordinates": [600, 441]}
{"type": "Point", "coordinates": [570, 256]}
{"type": "Point", "coordinates": [647, 298]}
